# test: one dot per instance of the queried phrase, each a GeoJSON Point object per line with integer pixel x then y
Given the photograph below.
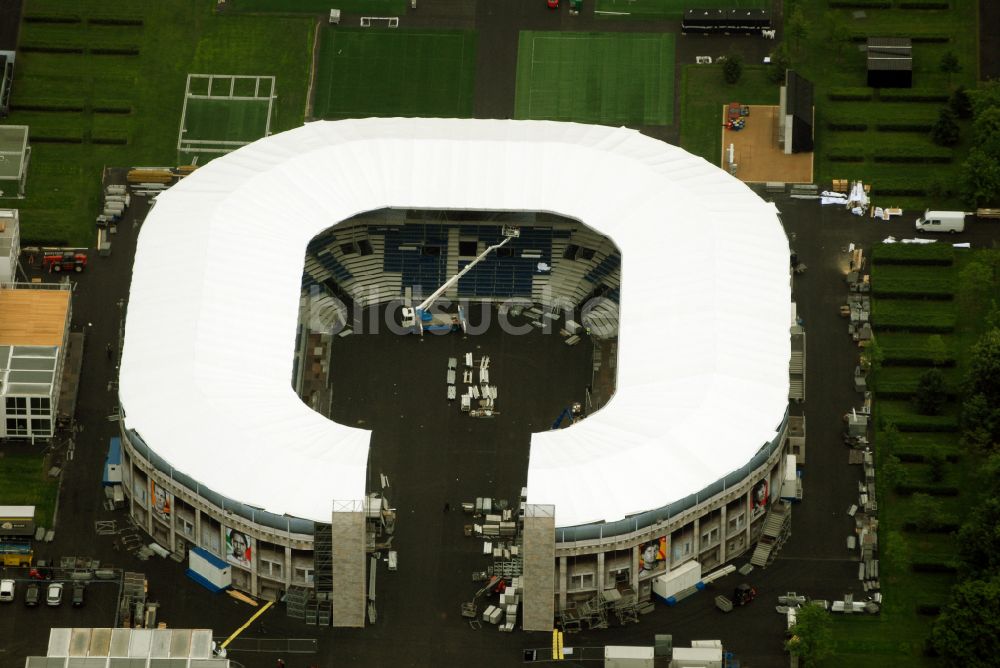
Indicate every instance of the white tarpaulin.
{"type": "Point", "coordinates": [703, 350]}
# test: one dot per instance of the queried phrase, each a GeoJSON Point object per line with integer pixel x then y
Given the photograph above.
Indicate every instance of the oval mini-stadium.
{"type": "Point", "coordinates": [683, 461]}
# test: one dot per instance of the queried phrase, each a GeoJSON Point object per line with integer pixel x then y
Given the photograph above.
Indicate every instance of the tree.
{"type": "Point", "coordinates": [892, 471]}
{"type": "Point", "coordinates": [931, 392]}
{"type": "Point", "coordinates": [944, 131]}
{"type": "Point", "coordinates": [937, 350]}
{"type": "Point", "coordinates": [976, 287]}
{"type": "Point", "coordinates": [950, 65]}
{"type": "Point", "coordinates": [927, 515]}
{"type": "Point", "coordinates": [967, 633]}
{"type": "Point", "coordinates": [980, 424]}
{"type": "Point", "coordinates": [961, 103]}
{"type": "Point", "coordinates": [780, 61]}
{"type": "Point", "coordinates": [936, 461]}
{"type": "Point", "coordinates": [897, 555]}
{"type": "Point", "coordinates": [979, 540]}
{"type": "Point", "coordinates": [984, 366]}
{"type": "Point", "coordinates": [732, 68]}
{"type": "Point", "coordinates": [981, 178]}
{"type": "Point", "coordinates": [838, 32]}
{"type": "Point", "coordinates": [797, 27]}
{"type": "Point", "coordinates": [812, 635]}
{"type": "Point", "coordinates": [986, 131]}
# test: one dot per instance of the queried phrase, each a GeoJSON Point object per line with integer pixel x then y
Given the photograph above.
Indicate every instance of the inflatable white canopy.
{"type": "Point", "coordinates": [703, 348]}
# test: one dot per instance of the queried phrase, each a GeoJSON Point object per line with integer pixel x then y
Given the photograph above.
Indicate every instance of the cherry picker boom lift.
{"type": "Point", "coordinates": [420, 319]}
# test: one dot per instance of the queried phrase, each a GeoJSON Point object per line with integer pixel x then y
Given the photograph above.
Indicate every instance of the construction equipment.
{"type": "Point", "coordinates": [65, 261]}
{"type": "Point", "coordinates": [496, 583]}
{"type": "Point", "coordinates": [571, 412]}
{"type": "Point", "coordinates": [420, 319]}
{"type": "Point", "coordinates": [744, 594]}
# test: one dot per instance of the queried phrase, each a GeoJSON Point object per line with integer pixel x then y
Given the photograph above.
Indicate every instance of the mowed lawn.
{"type": "Point", "coordinates": [117, 99]}
{"type": "Point", "coordinates": [225, 120]}
{"type": "Point", "coordinates": [372, 72]}
{"type": "Point", "coordinates": [24, 482]}
{"type": "Point", "coordinates": [596, 78]}
{"type": "Point", "coordinates": [672, 9]}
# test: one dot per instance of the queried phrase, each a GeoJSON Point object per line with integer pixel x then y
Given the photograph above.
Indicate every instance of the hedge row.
{"type": "Point", "coordinates": [920, 458]}
{"type": "Point", "coordinates": [115, 51]}
{"type": "Point", "coordinates": [910, 357]}
{"type": "Point", "coordinates": [899, 188]}
{"type": "Point", "coordinates": [903, 127]}
{"type": "Point", "coordinates": [914, 155]}
{"type": "Point", "coordinates": [915, 315]}
{"type": "Point", "coordinates": [907, 489]}
{"type": "Point", "coordinates": [943, 527]}
{"type": "Point", "coordinates": [860, 4]}
{"type": "Point", "coordinates": [905, 288]}
{"type": "Point", "coordinates": [938, 423]}
{"type": "Point", "coordinates": [849, 94]}
{"type": "Point", "coordinates": [912, 95]}
{"type": "Point", "coordinates": [41, 48]}
{"type": "Point", "coordinates": [916, 254]}
{"type": "Point", "coordinates": [114, 21]}
{"type": "Point", "coordinates": [861, 36]}
{"type": "Point", "coordinates": [51, 18]}
{"type": "Point", "coordinates": [933, 567]}
{"type": "Point", "coordinates": [923, 4]}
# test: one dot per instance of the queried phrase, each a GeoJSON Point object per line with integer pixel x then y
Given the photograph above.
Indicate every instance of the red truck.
{"type": "Point", "coordinates": [65, 261]}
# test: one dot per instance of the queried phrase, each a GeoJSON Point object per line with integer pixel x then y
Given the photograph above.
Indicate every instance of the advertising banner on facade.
{"type": "Point", "coordinates": [758, 499]}
{"type": "Point", "coordinates": [239, 548]}
{"type": "Point", "coordinates": [653, 555]}
{"type": "Point", "coordinates": [162, 501]}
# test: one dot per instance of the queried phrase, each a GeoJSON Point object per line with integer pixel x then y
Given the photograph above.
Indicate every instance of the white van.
{"type": "Point", "coordinates": [941, 221]}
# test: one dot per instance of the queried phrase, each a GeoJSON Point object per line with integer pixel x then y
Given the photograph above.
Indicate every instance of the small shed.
{"type": "Point", "coordinates": [890, 62]}
{"type": "Point", "coordinates": [796, 114]}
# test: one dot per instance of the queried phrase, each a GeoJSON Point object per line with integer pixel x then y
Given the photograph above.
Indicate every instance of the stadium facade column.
{"type": "Point", "coordinates": [563, 581]}
{"type": "Point", "coordinates": [724, 530]}
{"type": "Point", "coordinates": [697, 538]}
{"type": "Point", "coordinates": [600, 571]}
{"type": "Point", "coordinates": [635, 567]}
{"type": "Point", "coordinates": [197, 526]}
{"type": "Point", "coordinates": [747, 501]}
{"type": "Point", "coordinates": [348, 563]}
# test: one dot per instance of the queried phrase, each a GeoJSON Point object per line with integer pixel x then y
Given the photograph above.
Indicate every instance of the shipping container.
{"type": "Point", "coordinates": [683, 577]}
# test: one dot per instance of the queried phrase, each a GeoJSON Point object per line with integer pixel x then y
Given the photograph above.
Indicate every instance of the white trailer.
{"type": "Point", "coordinates": [626, 656]}
{"type": "Point", "coordinates": [668, 585]}
{"type": "Point", "coordinates": [209, 570]}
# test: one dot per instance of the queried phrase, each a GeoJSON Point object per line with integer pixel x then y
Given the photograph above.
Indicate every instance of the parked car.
{"type": "Point", "coordinates": [31, 595]}
{"type": "Point", "coordinates": [6, 591]}
{"type": "Point", "coordinates": [78, 589]}
{"type": "Point", "coordinates": [54, 595]}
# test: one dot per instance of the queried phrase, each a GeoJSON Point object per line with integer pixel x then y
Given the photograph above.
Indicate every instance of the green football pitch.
{"type": "Point", "coordinates": [391, 72]}
{"type": "Point", "coordinates": [222, 113]}
{"type": "Point", "coordinates": [610, 78]}
{"type": "Point", "coordinates": [671, 9]}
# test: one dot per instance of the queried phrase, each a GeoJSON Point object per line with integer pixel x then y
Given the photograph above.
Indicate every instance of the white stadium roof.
{"type": "Point", "coordinates": [703, 345]}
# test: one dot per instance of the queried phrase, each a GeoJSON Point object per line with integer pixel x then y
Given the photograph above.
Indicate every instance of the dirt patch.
{"type": "Point", "coordinates": [757, 154]}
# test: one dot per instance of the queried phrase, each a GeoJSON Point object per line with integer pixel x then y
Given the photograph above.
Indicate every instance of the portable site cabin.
{"type": "Point", "coordinates": [113, 463]}
{"type": "Point", "coordinates": [208, 570]}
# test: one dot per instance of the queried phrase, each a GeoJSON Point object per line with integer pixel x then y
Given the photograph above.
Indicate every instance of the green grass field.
{"type": "Point", "coordinates": [366, 7]}
{"type": "Point", "coordinates": [76, 103]}
{"type": "Point", "coordinates": [704, 92]}
{"type": "Point", "coordinates": [596, 78]}
{"type": "Point", "coordinates": [834, 66]}
{"type": "Point", "coordinates": [672, 9]}
{"type": "Point", "coordinates": [24, 482]}
{"type": "Point", "coordinates": [372, 72]}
